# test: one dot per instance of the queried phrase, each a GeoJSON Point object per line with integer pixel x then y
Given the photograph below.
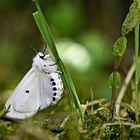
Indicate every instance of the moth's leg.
{"type": "Point", "coordinates": [55, 63]}
{"type": "Point", "coordinates": [39, 108]}
{"type": "Point", "coordinates": [55, 72]}
{"type": "Point", "coordinates": [61, 72]}
{"type": "Point", "coordinates": [46, 56]}
{"type": "Point", "coordinates": [58, 71]}
{"type": "Point", "coordinates": [7, 110]}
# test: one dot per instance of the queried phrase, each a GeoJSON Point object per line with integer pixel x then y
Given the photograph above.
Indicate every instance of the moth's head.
{"type": "Point", "coordinates": [41, 55]}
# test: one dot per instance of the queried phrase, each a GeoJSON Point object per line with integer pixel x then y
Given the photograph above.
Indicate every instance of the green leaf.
{"type": "Point", "coordinates": [132, 18]}
{"type": "Point", "coordinates": [120, 47]}
{"type": "Point", "coordinates": [134, 5]}
{"type": "Point", "coordinates": [46, 34]}
{"type": "Point", "coordinates": [114, 80]}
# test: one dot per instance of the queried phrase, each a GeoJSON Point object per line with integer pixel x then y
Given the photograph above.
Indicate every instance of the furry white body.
{"type": "Point", "coordinates": [40, 87]}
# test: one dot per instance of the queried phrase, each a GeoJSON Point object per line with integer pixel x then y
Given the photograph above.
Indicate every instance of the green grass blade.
{"type": "Point", "coordinates": [136, 73]}
{"type": "Point", "coordinates": [46, 34]}
{"type": "Point", "coordinates": [43, 28]}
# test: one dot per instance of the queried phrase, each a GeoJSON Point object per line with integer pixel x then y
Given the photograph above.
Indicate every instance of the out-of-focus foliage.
{"type": "Point", "coordinates": [84, 32]}
{"type": "Point", "coordinates": [66, 17]}
{"type": "Point", "coordinates": [120, 47]}
{"type": "Point", "coordinates": [81, 30]}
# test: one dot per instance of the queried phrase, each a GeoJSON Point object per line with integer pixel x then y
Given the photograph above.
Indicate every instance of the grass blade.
{"type": "Point", "coordinates": [46, 34]}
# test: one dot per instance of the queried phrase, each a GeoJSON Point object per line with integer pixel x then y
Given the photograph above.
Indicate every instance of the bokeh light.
{"type": "Point", "coordinates": [74, 54]}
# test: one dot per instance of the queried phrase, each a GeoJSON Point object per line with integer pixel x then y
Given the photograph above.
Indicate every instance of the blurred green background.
{"type": "Point", "coordinates": [84, 32]}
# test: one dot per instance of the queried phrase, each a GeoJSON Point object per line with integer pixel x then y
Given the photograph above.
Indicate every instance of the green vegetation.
{"type": "Point", "coordinates": [86, 111]}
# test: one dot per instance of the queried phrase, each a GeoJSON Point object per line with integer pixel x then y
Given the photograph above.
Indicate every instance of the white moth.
{"type": "Point", "coordinates": [41, 86]}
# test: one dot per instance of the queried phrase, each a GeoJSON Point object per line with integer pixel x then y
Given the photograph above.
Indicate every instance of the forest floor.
{"type": "Point", "coordinates": [62, 125]}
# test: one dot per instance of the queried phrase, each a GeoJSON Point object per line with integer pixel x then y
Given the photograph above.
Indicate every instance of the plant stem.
{"type": "Point", "coordinates": [136, 64]}
{"type": "Point", "coordinates": [124, 87]}
{"type": "Point", "coordinates": [114, 89]}
{"type": "Point", "coordinates": [136, 72]}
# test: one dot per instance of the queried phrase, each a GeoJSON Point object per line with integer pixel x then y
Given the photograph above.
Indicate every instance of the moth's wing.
{"type": "Point", "coordinates": [25, 99]}
{"type": "Point", "coordinates": [48, 95]}
{"type": "Point", "coordinates": [57, 94]}
{"type": "Point", "coordinates": [45, 91]}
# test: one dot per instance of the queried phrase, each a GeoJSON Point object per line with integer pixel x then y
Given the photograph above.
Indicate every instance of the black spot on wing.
{"type": "Point", "coordinates": [53, 83]}
{"type": "Point", "coordinates": [53, 98]}
{"type": "Point", "coordinates": [54, 94]}
{"type": "Point", "coordinates": [27, 91]}
{"type": "Point", "coordinates": [51, 79]}
{"type": "Point", "coordinates": [54, 88]}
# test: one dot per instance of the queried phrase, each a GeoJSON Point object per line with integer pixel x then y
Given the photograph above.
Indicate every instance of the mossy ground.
{"type": "Point", "coordinates": [64, 125]}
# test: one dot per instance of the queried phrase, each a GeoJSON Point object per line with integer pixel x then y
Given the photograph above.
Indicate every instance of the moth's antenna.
{"type": "Point", "coordinates": [45, 48]}
{"type": "Point", "coordinates": [34, 49]}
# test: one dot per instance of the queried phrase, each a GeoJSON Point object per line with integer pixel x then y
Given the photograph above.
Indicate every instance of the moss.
{"type": "Point", "coordinates": [63, 125]}
{"type": "Point", "coordinates": [71, 129]}
{"type": "Point", "coordinates": [7, 128]}
{"type": "Point", "coordinates": [135, 134]}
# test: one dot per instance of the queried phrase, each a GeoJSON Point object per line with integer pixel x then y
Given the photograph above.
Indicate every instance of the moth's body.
{"type": "Point", "coordinates": [40, 87]}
